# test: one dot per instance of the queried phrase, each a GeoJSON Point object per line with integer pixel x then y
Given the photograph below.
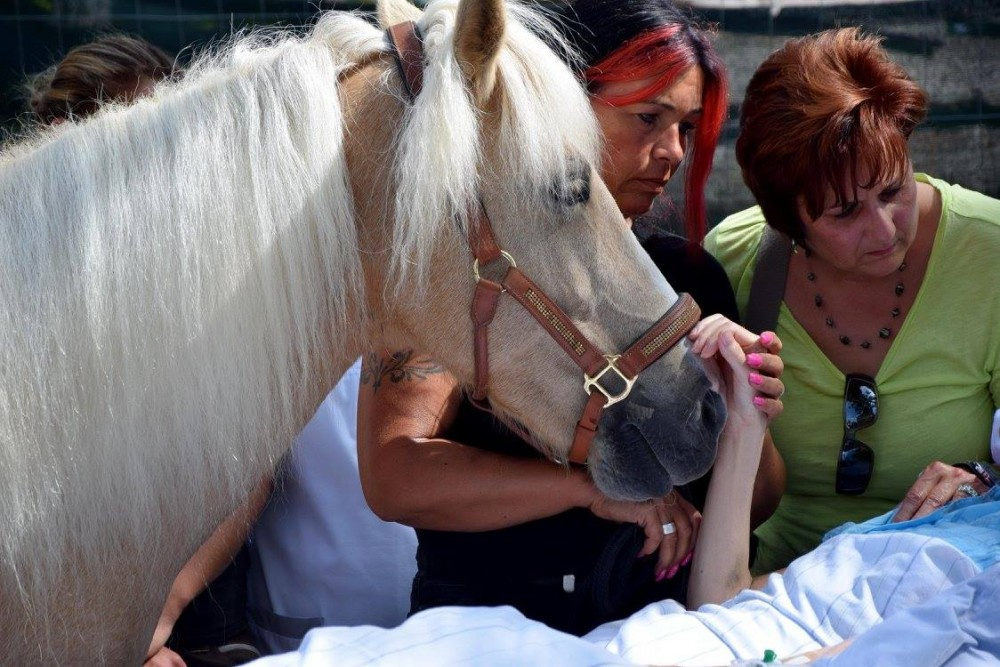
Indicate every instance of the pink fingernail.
{"type": "Point", "coordinates": [756, 380]}
{"type": "Point", "coordinates": [767, 338]}
{"type": "Point", "coordinates": [661, 575]}
{"type": "Point", "coordinates": [672, 571]}
{"type": "Point", "coordinates": [687, 559]}
{"type": "Point", "coordinates": [754, 360]}
{"type": "Point", "coordinates": [758, 401]}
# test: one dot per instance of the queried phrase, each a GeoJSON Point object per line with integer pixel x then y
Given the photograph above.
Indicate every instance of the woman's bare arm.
{"type": "Point", "coordinates": [207, 563]}
{"type": "Point", "coordinates": [764, 367]}
{"type": "Point", "coordinates": [769, 483]}
{"type": "Point", "coordinates": [413, 476]}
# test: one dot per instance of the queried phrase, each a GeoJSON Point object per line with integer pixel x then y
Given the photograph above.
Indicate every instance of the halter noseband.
{"type": "Point", "coordinates": [407, 49]}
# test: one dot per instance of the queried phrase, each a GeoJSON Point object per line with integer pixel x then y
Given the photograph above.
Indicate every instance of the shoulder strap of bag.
{"type": "Point", "coordinates": [768, 286]}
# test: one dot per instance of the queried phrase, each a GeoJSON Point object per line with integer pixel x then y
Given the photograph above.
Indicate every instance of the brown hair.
{"type": "Point", "coordinates": [821, 107]}
{"type": "Point", "coordinates": [109, 68]}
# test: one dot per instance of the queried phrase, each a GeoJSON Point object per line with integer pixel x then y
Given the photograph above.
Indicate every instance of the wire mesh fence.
{"type": "Point", "coordinates": [951, 47]}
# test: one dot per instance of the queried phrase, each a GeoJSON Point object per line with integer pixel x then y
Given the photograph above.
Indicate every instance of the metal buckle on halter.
{"type": "Point", "coordinates": [589, 382]}
{"type": "Point", "coordinates": [503, 254]}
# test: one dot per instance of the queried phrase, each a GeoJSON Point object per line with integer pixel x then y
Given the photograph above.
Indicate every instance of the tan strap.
{"type": "Point", "coordinates": [662, 336]}
{"type": "Point", "coordinates": [482, 240]}
{"type": "Point", "coordinates": [767, 289]}
{"type": "Point", "coordinates": [553, 320]}
{"type": "Point", "coordinates": [485, 300]}
{"type": "Point", "coordinates": [586, 428]}
{"type": "Point", "coordinates": [409, 55]}
{"type": "Point", "coordinates": [484, 307]}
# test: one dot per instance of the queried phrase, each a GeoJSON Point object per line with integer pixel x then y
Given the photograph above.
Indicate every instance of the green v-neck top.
{"type": "Point", "coordinates": [938, 385]}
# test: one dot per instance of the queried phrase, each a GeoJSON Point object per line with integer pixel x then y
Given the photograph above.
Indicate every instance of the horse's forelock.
{"type": "Point", "coordinates": [548, 123]}
{"type": "Point", "coordinates": [546, 127]}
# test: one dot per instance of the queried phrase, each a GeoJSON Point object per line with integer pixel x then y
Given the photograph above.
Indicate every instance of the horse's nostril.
{"type": "Point", "coordinates": [630, 436]}
{"type": "Point", "coordinates": [714, 408]}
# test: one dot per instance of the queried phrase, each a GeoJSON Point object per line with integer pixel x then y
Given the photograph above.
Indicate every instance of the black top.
{"type": "Point", "coordinates": [493, 567]}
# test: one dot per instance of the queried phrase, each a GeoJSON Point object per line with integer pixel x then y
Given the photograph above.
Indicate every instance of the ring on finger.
{"type": "Point", "coordinates": [967, 489]}
{"type": "Point", "coordinates": [669, 528]}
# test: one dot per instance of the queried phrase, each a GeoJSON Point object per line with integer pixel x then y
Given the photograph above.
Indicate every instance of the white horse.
{"type": "Point", "coordinates": [182, 281]}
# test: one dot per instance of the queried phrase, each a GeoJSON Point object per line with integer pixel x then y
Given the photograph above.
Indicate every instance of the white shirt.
{"type": "Point", "coordinates": [319, 556]}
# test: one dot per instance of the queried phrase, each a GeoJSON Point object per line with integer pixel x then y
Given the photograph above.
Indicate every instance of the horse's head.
{"type": "Point", "coordinates": [501, 130]}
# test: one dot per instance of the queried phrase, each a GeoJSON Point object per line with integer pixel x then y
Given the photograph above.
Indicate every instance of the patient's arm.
{"type": "Point", "coordinates": [720, 570]}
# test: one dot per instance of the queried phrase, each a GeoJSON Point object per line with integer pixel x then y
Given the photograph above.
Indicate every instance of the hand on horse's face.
{"type": "Point", "coordinates": [651, 516]}
{"type": "Point", "coordinates": [760, 366]}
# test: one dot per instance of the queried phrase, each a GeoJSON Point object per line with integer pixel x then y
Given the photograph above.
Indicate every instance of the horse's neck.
{"type": "Point", "coordinates": [367, 135]}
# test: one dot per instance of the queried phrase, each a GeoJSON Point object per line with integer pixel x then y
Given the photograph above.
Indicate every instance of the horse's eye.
{"type": "Point", "coordinates": [575, 188]}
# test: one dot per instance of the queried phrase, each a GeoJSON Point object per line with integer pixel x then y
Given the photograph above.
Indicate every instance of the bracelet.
{"type": "Point", "coordinates": [984, 472]}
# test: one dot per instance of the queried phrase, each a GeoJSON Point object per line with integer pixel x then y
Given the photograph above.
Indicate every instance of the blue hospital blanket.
{"type": "Point", "coordinates": [971, 525]}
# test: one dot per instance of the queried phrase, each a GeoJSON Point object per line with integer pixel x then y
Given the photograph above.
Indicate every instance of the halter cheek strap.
{"type": "Point", "coordinates": [596, 366]}
{"type": "Point", "coordinates": [407, 50]}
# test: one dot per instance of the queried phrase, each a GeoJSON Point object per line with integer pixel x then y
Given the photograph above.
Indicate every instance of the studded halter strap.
{"type": "Point", "coordinates": [407, 50]}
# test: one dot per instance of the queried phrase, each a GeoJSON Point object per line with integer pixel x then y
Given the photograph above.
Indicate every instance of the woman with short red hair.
{"type": "Point", "coordinates": [890, 307]}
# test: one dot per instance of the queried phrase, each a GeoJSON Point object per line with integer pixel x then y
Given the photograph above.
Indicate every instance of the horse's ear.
{"type": "Point", "coordinates": [479, 31]}
{"type": "Point", "coordinates": [391, 12]}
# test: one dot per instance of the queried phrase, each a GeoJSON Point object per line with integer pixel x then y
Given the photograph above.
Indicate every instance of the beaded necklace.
{"type": "Point", "coordinates": [884, 333]}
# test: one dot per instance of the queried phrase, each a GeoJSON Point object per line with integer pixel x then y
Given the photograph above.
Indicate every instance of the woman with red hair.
{"type": "Point", "coordinates": [497, 524]}
{"type": "Point", "coordinates": [892, 353]}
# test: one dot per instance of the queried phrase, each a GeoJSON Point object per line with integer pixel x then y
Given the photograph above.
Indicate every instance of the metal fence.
{"type": "Point", "coordinates": [951, 47]}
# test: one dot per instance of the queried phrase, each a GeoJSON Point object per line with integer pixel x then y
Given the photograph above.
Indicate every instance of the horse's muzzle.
{"type": "Point", "coordinates": [665, 434]}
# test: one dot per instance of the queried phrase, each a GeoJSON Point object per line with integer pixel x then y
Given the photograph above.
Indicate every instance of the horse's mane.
{"type": "Point", "coordinates": [172, 277]}
{"type": "Point", "coordinates": [179, 269]}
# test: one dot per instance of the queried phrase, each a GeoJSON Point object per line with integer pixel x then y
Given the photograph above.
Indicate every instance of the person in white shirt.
{"type": "Point", "coordinates": [319, 556]}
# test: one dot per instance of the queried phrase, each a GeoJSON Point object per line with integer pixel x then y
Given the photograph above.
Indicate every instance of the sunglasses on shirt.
{"type": "Point", "coordinates": [856, 460]}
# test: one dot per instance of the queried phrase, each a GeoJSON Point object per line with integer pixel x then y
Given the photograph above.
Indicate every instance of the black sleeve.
{"type": "Point", "coordinates": [690, 268]}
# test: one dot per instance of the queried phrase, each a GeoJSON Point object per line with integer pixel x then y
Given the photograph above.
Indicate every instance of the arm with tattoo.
{"type": "Point", "coordinates": [410, 474]}
{"type": "Point", "coordinates": [398, 366]}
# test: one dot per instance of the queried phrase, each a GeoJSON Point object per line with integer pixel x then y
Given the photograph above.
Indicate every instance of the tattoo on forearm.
{"type": "Point", "coordinates": [399, 366]}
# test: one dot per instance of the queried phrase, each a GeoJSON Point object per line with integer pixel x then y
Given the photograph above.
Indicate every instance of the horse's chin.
{"type": "Point", "coordinates": [642, 453]}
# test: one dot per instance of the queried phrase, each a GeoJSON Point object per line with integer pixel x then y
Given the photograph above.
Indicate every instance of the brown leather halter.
{"type": "Point", "coordinates": [663, 335]}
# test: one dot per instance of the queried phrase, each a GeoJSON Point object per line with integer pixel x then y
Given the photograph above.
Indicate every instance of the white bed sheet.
{"type": "Point", "coordinates": [845, 587]}
{"type": "Point", "coordinates": [446, 636]}
{"type": "Point", "coordinates": [841, 589]}
{"type": "Point", "coordinates": [958, 628]}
